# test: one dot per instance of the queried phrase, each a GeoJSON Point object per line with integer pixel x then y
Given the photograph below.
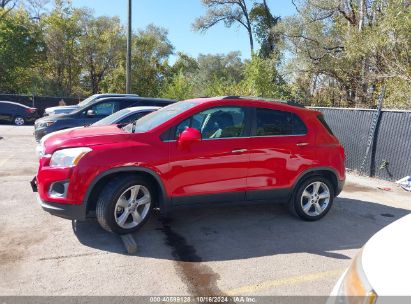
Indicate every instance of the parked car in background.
{"type": "Point", "coordinates": [85, 102]}
{"type": "Point", "coordinates": [125, 116]}
{"type": "Point", "coordinates": [381, 270]}
{"type": "Point", "coordinates": [18, 114]}
{"type": "Point", "coordinates": [122, 117]}
{"type": "Point", "coordinates": [92, 112]}
{"type": "Point", "coordinates": [192, 152]}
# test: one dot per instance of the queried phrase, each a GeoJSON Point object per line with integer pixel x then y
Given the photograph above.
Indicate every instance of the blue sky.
{"type": "Point", "coordinates": [177, 16]}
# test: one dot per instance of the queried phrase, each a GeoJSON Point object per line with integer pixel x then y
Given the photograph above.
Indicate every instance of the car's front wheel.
{"type": "Point", "coordinates": [19, 121]}
{"type": "Point", "coordinates": [125, 204]}
{"type": "Point", "coordinates": [313, 198]}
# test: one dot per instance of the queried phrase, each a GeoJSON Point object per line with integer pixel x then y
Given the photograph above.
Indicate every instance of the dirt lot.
{"type": "Point", "coordinates": [233, 250]}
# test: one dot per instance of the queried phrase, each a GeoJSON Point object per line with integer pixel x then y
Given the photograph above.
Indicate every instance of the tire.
{"type": "Point", "coordinates": [309, 204]}
{"type": "Point", "coordinates": [19, 121]}
{"type": "Point", "coordinates": [116, 210]}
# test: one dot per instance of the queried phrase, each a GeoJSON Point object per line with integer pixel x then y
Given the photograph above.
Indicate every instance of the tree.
{"type": "Point", "coordinates": [6, 6]}
{"type": "Point", "coordinates": [4, 3]}
{"type": "Point", "coordinates": [151, 50]}
{"type": "Point", "coordinates": [62, 36]}
{"type": "Point", "coordinates": [21, 48]}
{"type": "Point", "coordinates": [262, 79]}
{"type": "Point", "coordinates": [184, 64]}
{"type": "Point", "coordinates": [101, 44]}
{"type": "Point", "coordinates": [178, 88]}
{"type": "Point", "coordinates": [222, 66]}
{"type": "Point", "coordinates": [263, 23]}
{"type": "Point", "coordinates": [339, 47]}
{"type": "Point", "coordinates": [229, 12]}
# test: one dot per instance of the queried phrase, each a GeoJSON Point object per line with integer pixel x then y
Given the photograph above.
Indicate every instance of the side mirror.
{"type": "Point", "coordinates": [189, 135]}
{"type": "Point", "coordinates": [91, 113]}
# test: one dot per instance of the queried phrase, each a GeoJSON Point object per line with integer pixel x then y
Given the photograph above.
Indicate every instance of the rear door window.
{"type": "Point", "coordinates": [278, 123]}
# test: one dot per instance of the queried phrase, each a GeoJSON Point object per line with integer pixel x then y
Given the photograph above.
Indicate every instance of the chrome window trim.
{"type": "Point", "coordinates": [290, 135]}
{"type": "Point", "coordinates": [243, 137]}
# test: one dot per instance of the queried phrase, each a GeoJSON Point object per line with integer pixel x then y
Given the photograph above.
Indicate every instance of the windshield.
{"type": "Point", "coordinates": [159, 117]}
{"type": "Point", "coordinates": [87, 101]}
{"type": "Point", "coordinates": [112, 119]}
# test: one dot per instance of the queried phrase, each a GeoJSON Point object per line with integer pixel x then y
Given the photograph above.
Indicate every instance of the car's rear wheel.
{"type": "Point", "coordinates": [125, 204]}
{"type": "Point", "coordinates": [313, 198]}
{"type": "Point", "coordinates": [19, 121]}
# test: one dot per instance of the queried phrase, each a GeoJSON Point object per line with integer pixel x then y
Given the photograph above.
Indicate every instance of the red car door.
{"type": "Point", "coordinates": [280, 148]}
{"type": "Point", "coordinates": [214, 168]}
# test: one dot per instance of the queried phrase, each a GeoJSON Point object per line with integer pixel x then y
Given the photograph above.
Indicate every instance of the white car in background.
{"type": "Point", "coordinates": [381, 270]}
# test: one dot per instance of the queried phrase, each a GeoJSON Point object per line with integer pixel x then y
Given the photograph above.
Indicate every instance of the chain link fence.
{"type": "Point", "coordinates": [389, 156]}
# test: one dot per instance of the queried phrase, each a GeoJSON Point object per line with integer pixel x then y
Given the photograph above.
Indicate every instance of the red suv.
{"type": "Point", "coordinates": [193, 152]}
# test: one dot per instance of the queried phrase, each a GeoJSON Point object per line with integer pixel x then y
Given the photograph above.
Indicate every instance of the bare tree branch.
{"type": "Point", "coordinates": [227, 11]}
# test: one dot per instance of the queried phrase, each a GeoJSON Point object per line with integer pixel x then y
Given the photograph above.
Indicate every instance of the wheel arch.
{"type": "Point", "coordinates": [90, 199]}
{"type": "Point", "coordinates": [326, 172]}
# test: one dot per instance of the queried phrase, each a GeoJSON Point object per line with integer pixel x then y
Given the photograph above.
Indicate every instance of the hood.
{"type": "Point", "coordinates": [53, 109]}
{"type": "Point", "coordinates": [84, 137]}
{"type": "Point", "coordinates": [386, 259]}
{"type": "Point", "coordinates": [52, 117]}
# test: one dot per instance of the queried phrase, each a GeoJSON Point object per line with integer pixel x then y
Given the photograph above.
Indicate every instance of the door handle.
{"type": "Point", "coordinates": [239, 151]}
{"type": "Point", "coordinates": [302, 144]}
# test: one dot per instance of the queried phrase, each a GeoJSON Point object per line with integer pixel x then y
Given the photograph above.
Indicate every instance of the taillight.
{"type": "Point", "coordinates": [31, 110]}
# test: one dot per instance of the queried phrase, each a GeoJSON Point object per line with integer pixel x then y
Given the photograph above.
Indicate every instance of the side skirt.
{"type": "Point", "coordinates": [272, 196]}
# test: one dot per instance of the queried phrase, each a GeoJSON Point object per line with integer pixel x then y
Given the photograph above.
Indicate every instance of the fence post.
{"type": "Point", "coordinates": [373, 131]}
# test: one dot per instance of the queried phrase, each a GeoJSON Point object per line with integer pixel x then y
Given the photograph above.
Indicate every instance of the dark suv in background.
{"type": "Point", "coordinates": [68, 109]}
{"type": "Point", "coordinates": [92, 113]}
{"type": "Point", "coordinates": [18, 114]}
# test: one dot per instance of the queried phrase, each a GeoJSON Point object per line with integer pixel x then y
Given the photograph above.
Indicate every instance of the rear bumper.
{"type": "Point", "coordinates": [70, 212]}
{"type": "Point", "coordinates": [340, 186]}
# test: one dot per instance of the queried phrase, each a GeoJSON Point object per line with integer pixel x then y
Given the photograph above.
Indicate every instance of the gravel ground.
{"type": "Point", "coordinates": [231, 250]}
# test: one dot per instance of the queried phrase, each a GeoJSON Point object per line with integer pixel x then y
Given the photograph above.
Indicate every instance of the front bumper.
{"type": "Point", "coordinates": [40, 133]}
{"type": "Point", "coordinates": [67, 211]}
{"type": "Point", "coordinates": [70, 212]}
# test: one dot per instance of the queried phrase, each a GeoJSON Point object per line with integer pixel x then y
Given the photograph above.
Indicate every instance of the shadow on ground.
{"type": "Point", "coordinates": [248, 231]}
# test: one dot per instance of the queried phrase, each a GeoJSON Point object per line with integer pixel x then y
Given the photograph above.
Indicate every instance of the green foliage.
{"type": "Point", "coordinates": [101, 44]}
{"type": "Point", "coordinates": [21, 47]}
{"type": "Point", "coordinates": [263, 24]}
{"type": "Point", "coordinates": [331, 53]}
{"type": "Point", "coordinates": [151, 50]}
{"type": "Point", "coordinates": [179, 87]}
{"type": "Point", "coordinates": [63, 30]}
{"type": "Point", "coordinates": [343, 53]}
{"type": "Point", "coordinates": [262, 79]}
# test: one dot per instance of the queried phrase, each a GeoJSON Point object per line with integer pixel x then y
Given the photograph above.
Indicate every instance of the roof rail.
{"type": "Point", "coordinates": [288, 102]}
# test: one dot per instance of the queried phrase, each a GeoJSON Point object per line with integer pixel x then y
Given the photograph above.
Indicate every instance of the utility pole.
{"type": "Point", "coordinates": [128, 64]}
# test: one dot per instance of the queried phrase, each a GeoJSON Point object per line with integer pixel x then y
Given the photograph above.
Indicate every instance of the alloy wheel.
{"type": "Point", "coordinates": [132, 206]}
{"type": "Point", "coordinates": [19, 121]}
{"type": "Point", "coordinates": [315, 198]}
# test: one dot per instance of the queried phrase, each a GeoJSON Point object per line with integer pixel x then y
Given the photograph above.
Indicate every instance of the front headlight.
{"type": "Point", "coordinates": [68, 157]}
{"type": "Point", "coordinates": [355, 287]}
{"type": "Point", "coordinates": [40, 151]}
